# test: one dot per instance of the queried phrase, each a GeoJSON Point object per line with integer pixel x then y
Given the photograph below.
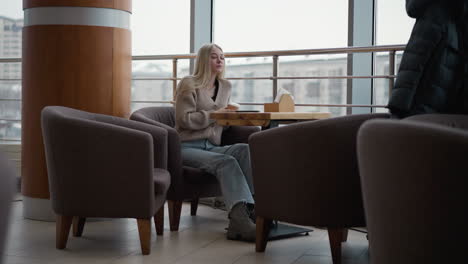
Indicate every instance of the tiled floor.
{"type": "Point", "coordinates": [201, 239]}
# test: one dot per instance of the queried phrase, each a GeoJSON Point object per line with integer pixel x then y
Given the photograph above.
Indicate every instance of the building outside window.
{"type": "Point", "coordinates": [313, 91]}
{"type": "Point", "coordinates": [11, 24]}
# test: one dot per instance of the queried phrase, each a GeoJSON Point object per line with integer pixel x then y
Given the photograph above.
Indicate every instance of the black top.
{"type": "Point", "coordinates": [216, 90]}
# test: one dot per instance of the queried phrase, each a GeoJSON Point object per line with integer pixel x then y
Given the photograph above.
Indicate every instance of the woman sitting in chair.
{"type": "Point", "coordinates": [197, 96]}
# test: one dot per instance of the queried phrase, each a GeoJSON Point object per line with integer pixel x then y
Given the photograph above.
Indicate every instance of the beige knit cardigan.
{"type": "Point", "coordinates": [193, 107]}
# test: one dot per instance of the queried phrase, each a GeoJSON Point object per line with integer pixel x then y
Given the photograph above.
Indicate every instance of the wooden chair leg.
{"type": "Point", "coordinates": [194, 207]}
{"type": "Point", "coordinates": [78, 225]}
{"type": "Point", "coordinates": [159, 221]}
{"type": "Point", "coordinates": [335, 236]}
{"type": "Point", "coordinates": [62, 230]}
{"type": "Point", "coordinates": [175, 207]}
{"type": "Point", "coordinates": [261, 236]}
{"type": "Point", "coordinates": [144, 230]}
{"type": "Point", "coordinates": [345, 235]}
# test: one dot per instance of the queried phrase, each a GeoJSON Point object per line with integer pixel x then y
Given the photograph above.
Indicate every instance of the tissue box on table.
{"type": "Point", "coordinates": [284, 104]}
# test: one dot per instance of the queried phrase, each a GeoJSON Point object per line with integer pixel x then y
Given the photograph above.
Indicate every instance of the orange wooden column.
{"type": "Point", "coordinates": [75, 54]}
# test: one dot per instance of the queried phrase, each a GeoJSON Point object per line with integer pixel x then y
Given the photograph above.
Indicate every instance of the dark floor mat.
{"type": "Point", "coordinates": [280, 231]}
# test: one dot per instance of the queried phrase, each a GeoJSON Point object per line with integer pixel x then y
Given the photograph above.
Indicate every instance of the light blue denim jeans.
{"type": "Point", "coordinates": [230, 164]}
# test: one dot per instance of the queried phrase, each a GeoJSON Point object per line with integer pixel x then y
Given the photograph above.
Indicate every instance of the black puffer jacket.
{"type": "Point", "coordinates": [433, 68]}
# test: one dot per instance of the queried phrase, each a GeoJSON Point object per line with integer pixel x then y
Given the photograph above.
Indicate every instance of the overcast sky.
{"type": "Point", "coordinates": [162, 26]}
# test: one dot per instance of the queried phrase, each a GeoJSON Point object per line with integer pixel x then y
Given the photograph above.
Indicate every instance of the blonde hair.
{"type": "Point", "coordinates": [202, 72]}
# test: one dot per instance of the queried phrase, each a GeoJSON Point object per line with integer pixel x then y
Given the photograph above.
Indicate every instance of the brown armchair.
{"type": "Point", "coordinates": [413, 175]}
{"type": "Point", "coordinates": [307, 174]}
{"type": "Point", "coordinates": [187, 183]}
{"type": "Point", "coordinates": [104, 166]}
{"type": "Point", "coordinates": [6, 194]}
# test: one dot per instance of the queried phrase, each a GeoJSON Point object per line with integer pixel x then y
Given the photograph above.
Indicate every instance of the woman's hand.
{"type": "Point", "coordinates": [225, 109]}
{"type": "Point", "coordinates": [233, 106]}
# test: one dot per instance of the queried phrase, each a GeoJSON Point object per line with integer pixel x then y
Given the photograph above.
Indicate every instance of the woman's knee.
{"type": "Point", "coordinates": [242, 145]}
{"type": "Point", "coordinates": [228, 160]}
{"type": "Point", "coordinates": [228, 163]}
{"type": "Point", "coordinates": [241, 149]}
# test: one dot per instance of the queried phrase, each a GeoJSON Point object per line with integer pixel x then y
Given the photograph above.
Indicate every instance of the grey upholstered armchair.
{"type": "Point", "coordinates": [187, 183]}
{"type": "Point", "coordinates": [104, 166]}
{"type": "Point", "coordinates": [307, 174]}
{"type": "Point", "coordinates": [6, 194]}
{"type": "Point", "coordinates": [413, 174]}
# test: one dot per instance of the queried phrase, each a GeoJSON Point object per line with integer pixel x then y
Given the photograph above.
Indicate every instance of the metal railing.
{"type": "Point", "coordinates": [275, 55]}
{"type": "Point", "coordinates": [391, 49]}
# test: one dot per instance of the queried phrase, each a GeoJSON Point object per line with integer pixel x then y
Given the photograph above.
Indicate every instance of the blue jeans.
{"type": "Point", "coordinates": [230, 164]}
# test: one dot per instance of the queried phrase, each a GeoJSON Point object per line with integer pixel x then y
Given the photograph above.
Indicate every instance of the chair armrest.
{"type": "Point", "coordinates": [160, 137]}
{"type": "Point", "coordinates": [313, 161]}
{"type": "Point", "coordinates": [450, 120]}
{"type": "Point", "coordinates": [99, 169]}
{"type": "Point", "coordinates": [237, 134]}
{"type": "Point", "coordinates": [142, 118]}
{"type": "Point", "coordinates": [174, 165]}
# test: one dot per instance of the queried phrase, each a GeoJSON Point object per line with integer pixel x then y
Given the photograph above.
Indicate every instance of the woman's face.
{"type": "Point", "coordinates": [216, 60]}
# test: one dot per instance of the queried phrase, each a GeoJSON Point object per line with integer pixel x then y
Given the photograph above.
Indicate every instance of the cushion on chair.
{"type": "Point", "coordinates": [451, 120]}
{"type": "Point", "coordinates": [197, 176]}
{"type": "Point", "coordinates": [162, 181]}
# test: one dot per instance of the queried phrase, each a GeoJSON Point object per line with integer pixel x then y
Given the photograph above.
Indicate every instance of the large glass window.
{"type": "Point", "coordinates": [158, 28]}
{"type": "Point", "coordinates": [264, 25]}
{"type": "Point", "coordinates": [393, 27]}
{"type": "Point", "coordinates": [11, 24]}
{"type": "Point", "coordinates": [393, 24]}
{"type": "Point", "coordinates": [245, 25]}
